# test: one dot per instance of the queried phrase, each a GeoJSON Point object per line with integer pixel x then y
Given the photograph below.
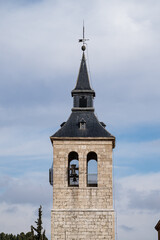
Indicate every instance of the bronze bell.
{"type": "Point", "coordinates": [73, 172]}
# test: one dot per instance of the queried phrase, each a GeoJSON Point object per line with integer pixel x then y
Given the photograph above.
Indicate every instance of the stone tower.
{"type": "Point", "coordinates": [82, 171]}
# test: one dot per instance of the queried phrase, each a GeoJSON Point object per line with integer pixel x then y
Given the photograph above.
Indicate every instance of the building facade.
{"type": "Point", "coordinates": [82, 171]}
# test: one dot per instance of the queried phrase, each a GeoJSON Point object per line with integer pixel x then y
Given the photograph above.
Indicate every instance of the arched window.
{"type": "Point", "coordinates": [83, 102]}
{"type": "Point", "coordinates": [92, 169]}
{"type": "Point", "coordinates": [73, 169]}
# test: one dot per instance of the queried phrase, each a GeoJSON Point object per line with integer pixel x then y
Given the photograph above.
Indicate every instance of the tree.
{"type": "Point", "coordinates": [38, 229]}
{"type": "Point", "coordinates": [30, 235]}
{"type": "Point", "coordinates": [2, 236]}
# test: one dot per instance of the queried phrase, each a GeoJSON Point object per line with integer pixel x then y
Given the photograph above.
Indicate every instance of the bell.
{"type": "Point", "coordinates": [73, 169]}
{"type": "Point", "coordinates": [73, 172]}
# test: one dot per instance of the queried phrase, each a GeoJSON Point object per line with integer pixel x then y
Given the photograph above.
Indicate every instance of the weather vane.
{"type": "Point", "coordinates": [83, 40]}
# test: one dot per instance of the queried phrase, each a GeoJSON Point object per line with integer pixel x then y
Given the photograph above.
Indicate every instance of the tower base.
{"type": "Point", "coordinates": [82, 224]}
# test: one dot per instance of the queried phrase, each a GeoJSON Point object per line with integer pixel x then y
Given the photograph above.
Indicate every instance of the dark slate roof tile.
{"type": "Point", "coordinates": [72, 127]}
{"type": "Point", "coordinates": [83, 79]}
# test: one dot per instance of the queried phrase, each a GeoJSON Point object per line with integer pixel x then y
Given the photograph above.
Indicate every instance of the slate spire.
{"type": "Point", "coordinates": [83, 79]}
{"type": "Point", "coordinates": [82, 121]}
{"type": "Point", "coordinates": [83, 83]}
{"type": "Point", "coordinates": [83, 94]}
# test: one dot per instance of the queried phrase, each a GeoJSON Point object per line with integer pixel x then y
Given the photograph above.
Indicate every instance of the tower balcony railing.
{"type": "Point", "coordinates": [92, 180]}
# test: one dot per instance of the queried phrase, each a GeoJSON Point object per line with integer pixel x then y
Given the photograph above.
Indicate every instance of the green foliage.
{"type": "Point", "coordinates": [38, 229]}
{"type": "Point", "coordinates": [21, 236]}
{"type": "Point", "coordinates": [29, 235]}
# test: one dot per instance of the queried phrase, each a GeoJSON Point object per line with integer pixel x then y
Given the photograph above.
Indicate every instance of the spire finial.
{"type": "Point", "coordinates": [83, 40]}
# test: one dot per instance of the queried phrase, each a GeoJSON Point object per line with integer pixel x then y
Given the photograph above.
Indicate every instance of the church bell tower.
{"type": "Point", "coordinates": [82, 170]}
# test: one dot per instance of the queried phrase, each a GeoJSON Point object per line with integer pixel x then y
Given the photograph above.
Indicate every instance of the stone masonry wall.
{"type": "Point", "coordinates": [82, 212]}
{"type": "Point", "coordinates": [80, 225]}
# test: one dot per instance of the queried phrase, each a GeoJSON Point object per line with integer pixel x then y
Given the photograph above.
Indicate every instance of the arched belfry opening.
{"type": "Point", "coordinates": [83, 101]}
{"type": "Point", "coordinates": [73, 169]}
{"type": "Point", "coordinates": [92, 169]}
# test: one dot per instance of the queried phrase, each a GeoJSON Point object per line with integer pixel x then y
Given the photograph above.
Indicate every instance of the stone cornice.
{"type": "Point", "coordinates": [107, 139]}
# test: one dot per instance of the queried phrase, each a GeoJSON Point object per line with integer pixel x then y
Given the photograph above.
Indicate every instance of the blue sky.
{"type": "Point", "coordinates": [39, 63]}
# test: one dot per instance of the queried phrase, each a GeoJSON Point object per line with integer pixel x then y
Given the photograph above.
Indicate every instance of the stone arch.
{"type": "Point", "coordinates": [83, 101]}
{"type": "Point", "coordinates": [73, 169]}
{"type": "Point", "coordinates": [92, 169]}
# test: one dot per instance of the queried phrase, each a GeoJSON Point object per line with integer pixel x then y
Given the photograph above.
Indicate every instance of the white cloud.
{"type": "Point", "coordinates": [137, 204]}
{"type": "Point", "coordinates": [39, 40]}
{"type": "Point", "coordinates": [40, 57]}
{"type": "Point", "coordinates": [17, 218]}
{"type": "Point", "coordinates": [20, 198]}
{"type": "Point", "coordinates": [31, 188]}
{"type": "Point", "coordinates": [141, 150]}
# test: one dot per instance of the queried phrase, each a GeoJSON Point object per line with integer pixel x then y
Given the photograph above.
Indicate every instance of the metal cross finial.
{"type": "Point", "coordinates": [83, 40]}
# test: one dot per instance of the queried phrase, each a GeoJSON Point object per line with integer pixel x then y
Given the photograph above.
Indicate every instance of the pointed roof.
{"type": "Point", "coordinates": [157, 227]}
{"type": "Point", "coordinates": [83, 84]}
{"type": "Point", "coordinates": [93, 129]}
{"type": "Point", "coordinates": [83, 114]}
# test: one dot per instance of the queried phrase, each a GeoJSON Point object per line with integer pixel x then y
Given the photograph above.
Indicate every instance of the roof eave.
{"type": "Point", "coordinates": [157, 227]}
{"type": "Point", "coordinates": [112, 138]}
{"type": "Point", "coordinates": [77, 91]}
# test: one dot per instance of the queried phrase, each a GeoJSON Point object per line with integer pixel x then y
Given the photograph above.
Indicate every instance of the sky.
{"type": "Point", "coordinates": [39, 63]}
